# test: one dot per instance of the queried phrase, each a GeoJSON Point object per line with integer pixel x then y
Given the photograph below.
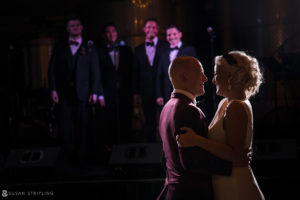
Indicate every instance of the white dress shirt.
{"type": "Point", "coordinates": [174, 53]}
{"type": "Point", "coordinates": [114, 55]}
{"type": "Point", "coordinates": [150, 51]}
{"type": "Point", "coordinates": [74, 48]}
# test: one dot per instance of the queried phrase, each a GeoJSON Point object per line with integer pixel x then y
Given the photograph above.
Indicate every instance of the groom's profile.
{"type": "Point", "coordinates": [188, 170]}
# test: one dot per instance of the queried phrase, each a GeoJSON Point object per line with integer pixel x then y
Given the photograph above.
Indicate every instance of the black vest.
{"type": "Point", "coordinates": [71, 77]}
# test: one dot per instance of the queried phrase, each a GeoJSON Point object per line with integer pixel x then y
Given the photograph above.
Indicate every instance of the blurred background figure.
{"type": "Point", "coordinates": [176, 48]}
{"type": "Point", "coordinates": [147, 57]}
{"type": "Point", "coordinates": [116, 74]}
{"type": "Point", "coordinates": [74, 84]}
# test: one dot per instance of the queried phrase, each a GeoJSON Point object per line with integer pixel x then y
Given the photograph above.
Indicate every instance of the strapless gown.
{"type": "Point", "coordinates": [242, 185]}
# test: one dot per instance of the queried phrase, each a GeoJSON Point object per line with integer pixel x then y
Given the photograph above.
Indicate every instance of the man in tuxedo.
{"type": "Point", "coordinates": [116, 71]}
{"type": "Point", "coordinates": [147, 57]}
{"type": "Point", "coordinates": [188, 170]}
{"type": "Point", "coordinates": [74, 83]}
{"type": "Point", "coordinates": [176, 48]}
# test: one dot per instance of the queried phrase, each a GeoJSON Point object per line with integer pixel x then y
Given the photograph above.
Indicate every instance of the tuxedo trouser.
{"type": "Point", "coordinates": [73, 124]}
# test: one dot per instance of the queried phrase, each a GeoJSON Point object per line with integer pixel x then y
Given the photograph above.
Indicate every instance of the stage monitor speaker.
{"type": "Point", "coordinates": [273, 157]}
{"type": "Point", "coordinates": [275, 149]}
{"type": "Point", "coordinates": [33, 163]}
{"type": "Point", "coordinates": [144, 153]}
{"type": "Point", "coordinates": [137, 159]}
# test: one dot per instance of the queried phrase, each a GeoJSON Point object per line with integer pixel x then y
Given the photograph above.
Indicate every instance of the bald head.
{"type": "Point", "coordinates": [181, 67]}
{"type": "Point", "coordinates": [185, 73]}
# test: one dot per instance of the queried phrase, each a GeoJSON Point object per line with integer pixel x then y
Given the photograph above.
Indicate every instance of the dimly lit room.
{"type": "Point", "coordinates": [150, 99]}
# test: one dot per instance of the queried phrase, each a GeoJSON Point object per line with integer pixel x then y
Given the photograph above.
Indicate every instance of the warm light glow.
{"type": "Point", "coordinates": [136, 21]}
{"type": "Point", "coordinates": [142, 3]}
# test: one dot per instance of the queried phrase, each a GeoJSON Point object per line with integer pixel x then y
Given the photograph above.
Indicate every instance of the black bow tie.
{"type": "Point", "coordinates": [150, 44]}
{"type": "Point", "coordinates": [73, 42]}
{"type": "Point", "coordinates": [175, 48]}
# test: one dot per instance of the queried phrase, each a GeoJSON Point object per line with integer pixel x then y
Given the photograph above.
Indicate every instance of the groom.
{"type": "Point", "coordinates": [188, 170]}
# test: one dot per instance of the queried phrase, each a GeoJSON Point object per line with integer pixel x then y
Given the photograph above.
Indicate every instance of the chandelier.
{"type": "Point", "coordinates": [141, 3]}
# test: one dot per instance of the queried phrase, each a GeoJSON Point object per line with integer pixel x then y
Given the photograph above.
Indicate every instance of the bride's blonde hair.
{"type": "Point", "coordinates": [245, 70]}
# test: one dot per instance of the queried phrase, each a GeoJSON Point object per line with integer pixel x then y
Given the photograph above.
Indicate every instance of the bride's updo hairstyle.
{"type": "Point", "coordinates": [244, 69]}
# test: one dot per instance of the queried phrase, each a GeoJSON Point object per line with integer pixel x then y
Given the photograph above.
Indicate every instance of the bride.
{"type": "Point", "coordinates": [237, 77]}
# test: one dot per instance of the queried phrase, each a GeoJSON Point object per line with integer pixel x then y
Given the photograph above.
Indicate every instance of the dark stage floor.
{"type": "Point", "coordinates": [278, 179]}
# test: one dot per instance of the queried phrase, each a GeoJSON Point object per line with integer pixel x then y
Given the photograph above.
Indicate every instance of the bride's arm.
{"type": "Point", "coordinates": [190, 138]}
{"type": "Point", "coordinates": [235, 125]}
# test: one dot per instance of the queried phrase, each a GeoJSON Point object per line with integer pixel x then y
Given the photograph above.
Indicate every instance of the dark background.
{"type": "Point", "coordinates": [269, 30]}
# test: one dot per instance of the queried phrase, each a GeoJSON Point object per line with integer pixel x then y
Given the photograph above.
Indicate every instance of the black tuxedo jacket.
{"type": "Point", "coordinates": [144, 75]}
{"type": "Point", "coordinates": [163, 83]}
{"type": "Point", "coordinates": [111, 77]}
{"type": "Point", "coordinates": [84, 73]}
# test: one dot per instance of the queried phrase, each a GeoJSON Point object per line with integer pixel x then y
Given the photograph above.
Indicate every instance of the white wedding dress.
{"type": "Point", "coordinates": [242, 185]}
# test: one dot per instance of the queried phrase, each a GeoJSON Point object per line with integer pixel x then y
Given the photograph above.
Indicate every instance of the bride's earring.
{"type": "Point", "coordinates": [228, 85]}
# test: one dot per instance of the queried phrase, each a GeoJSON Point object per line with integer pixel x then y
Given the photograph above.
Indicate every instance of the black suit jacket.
{"type": "Point", "coordinates": [144, 76]}
{"type": "Point", "coordinates": [85, 75]}
{"type": "Point", "coordinates": [163, 83]}
{"type": "Point", "coordinates": [111, 77]}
